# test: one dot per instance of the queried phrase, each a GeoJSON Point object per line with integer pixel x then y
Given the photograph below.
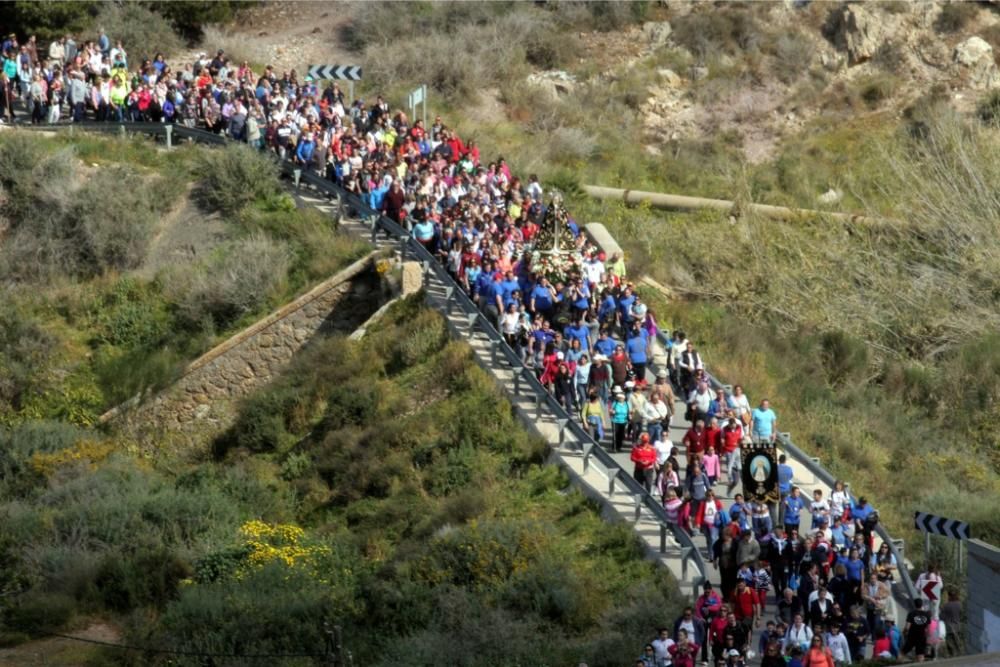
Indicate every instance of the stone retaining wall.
{"type": "Point", "coordinates": [200, 401]}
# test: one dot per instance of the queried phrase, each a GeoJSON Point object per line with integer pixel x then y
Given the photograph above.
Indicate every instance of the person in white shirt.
{"type": "Point", "coordinates": [661, 648]}
{"type": "Point", "coordinates": [839, 648]}
{"type": "Point", "coordinates": [799, 634]}
{"type": "Point", "coordinates": [594, 269]}
{"type": "Point", "coordinates": [534, 188]}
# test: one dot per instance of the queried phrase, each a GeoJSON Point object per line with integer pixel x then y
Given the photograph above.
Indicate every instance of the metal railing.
{"type": "Point", "coordinates": [570, 431]}
{"type": "Point", "coordinates": [811, 464]}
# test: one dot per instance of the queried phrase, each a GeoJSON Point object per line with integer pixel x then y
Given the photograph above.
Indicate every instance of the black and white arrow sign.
{"type": "Point", "coordinates": [341, 72]}
{"type": "Point", "coordinates": [938, 525]}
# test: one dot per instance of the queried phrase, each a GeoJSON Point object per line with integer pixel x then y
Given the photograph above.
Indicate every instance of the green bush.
{"type": "Point", "coordinates": [988, 109]}
{"type": "Point", "coordinates": [146, 577]}
{"type": "Point", "coordinates": [40, 613]}
{"type": "Point", "coordinates": [49, 19]}
{"type": "Point", "coordinates": [25, 351]}
{"type": "Point", "coordinates": [271, 610]}
{"type": "Point", "coordinates": [144, 32]}
{"type": "Point", "coordinates": [235, 176]}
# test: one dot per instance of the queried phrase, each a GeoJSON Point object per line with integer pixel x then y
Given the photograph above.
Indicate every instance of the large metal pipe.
{"type": "Point", "coordinates": [685, 203]}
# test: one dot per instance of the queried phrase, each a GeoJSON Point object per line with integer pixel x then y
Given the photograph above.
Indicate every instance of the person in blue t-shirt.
{"type": "Point", "coordinates": [491, 299]}
{"type": "Point", "coordinates": [579, 296]}
{"type": "Point", "coordinates": [605, 344]}
{"type": "Point", "coordinates": [763, 422]}
{"type": "Point", "coordinates": [793, 510]}
{"type": "Point", "coordinates": [578, 331]}
{"type": "Point", "coordinates": [508, 286]}
{"type": "Point", "coordinates": [606, 311]}
{"type": "Point", "coordinates": [637, 347]}
{"type": "Point", "coordinates": [625, 309]}
{"type": "Point", "coordinates": [542, 297]}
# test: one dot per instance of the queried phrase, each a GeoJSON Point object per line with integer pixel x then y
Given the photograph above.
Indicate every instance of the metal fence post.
{"type": "Point", "coordinates": [494, 347]}
{"type": "Point", "coordinates": [539, 399]}
{"type": "Point", "coordinates": [169, 130]}
{"type": "Point", "coordinates": [296, 177]}
{"type": "Point", "coordinates": [562, 430]}
{"type": "Point", "coordinates": [663, 538]}
{"type": "Point", "coordinates": [685, 555]}
{"type": "Point", "coordinates": [517, 382]}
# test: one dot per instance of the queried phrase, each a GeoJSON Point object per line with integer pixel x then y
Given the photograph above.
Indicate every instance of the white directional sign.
{"type": "Point", "coordinates": [938, 525]}
{"type": "Point", "coordinates": [341, 72]}
{"type": "Point", "coordinates": [416, 97]}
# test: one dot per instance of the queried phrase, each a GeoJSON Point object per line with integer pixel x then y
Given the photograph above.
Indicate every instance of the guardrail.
{"type": "Point", "coordinates": [811, 464]}
{"type": "Point", "coordinates": [570, 430]}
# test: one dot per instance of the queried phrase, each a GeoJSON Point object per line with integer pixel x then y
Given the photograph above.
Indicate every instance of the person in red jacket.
{"type": "Point", "coordinates": [717, 631]}
{"type": "Point", "coordinates": [744, 604]}
{"type": "Point", "coordinates": [644, 458]}
{"type": "Point", "coordinates": [696, 439]}
{"type": "Point", "coordinates": [707, 607]}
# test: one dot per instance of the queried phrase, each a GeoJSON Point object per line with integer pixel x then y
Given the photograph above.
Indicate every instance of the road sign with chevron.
{"type": "Point", "coordinates": [341, 72]}
{"type": "Point", "coordinates": [938, 525]}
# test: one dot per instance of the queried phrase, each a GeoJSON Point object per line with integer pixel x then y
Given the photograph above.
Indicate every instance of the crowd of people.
{"type": "Point", "coordinates": [576, 320]}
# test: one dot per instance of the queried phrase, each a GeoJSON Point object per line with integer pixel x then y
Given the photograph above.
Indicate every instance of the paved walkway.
{"type": "Point", "coordinates": [589, 476]}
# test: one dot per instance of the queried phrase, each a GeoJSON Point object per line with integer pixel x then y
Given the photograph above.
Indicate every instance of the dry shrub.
{"type": "Point", "coordinates": [707, 31]}
{"type": "Point", "coordinates": [457, 59]}
{"type": "Point", "coordinates": [793, 54]}
{"type": "Point", "coordinates": [257, 52]}
{"type": "Point", "coordinates": [235, 176]}
{"type": "Point", "coordinates": [955, 16]}
{"type": "Point", "coordinates": [239, 280]}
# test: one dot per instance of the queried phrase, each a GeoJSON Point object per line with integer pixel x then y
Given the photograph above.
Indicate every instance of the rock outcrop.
{"type": "Point", "coordinates": [857, 31]}
{"type": "Point", "coordinates": [974, 59]}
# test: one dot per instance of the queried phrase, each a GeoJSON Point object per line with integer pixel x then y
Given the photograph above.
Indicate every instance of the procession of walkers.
{"type": "Point", "coordinates": [792, 592]}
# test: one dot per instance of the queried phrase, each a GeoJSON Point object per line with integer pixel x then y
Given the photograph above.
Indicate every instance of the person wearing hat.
{"type": "Point", "coordinates": [619, 419]}
{"type": "Point", "coordinates": [734, 659]}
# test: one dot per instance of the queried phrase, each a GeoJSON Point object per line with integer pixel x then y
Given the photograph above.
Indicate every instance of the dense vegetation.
{"type": "Point", "coordinates": [111, 280]}
{"type": "Point", "coordinates": [383, 485]}
{"type": "Point", "coordinates": [131, 21]}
